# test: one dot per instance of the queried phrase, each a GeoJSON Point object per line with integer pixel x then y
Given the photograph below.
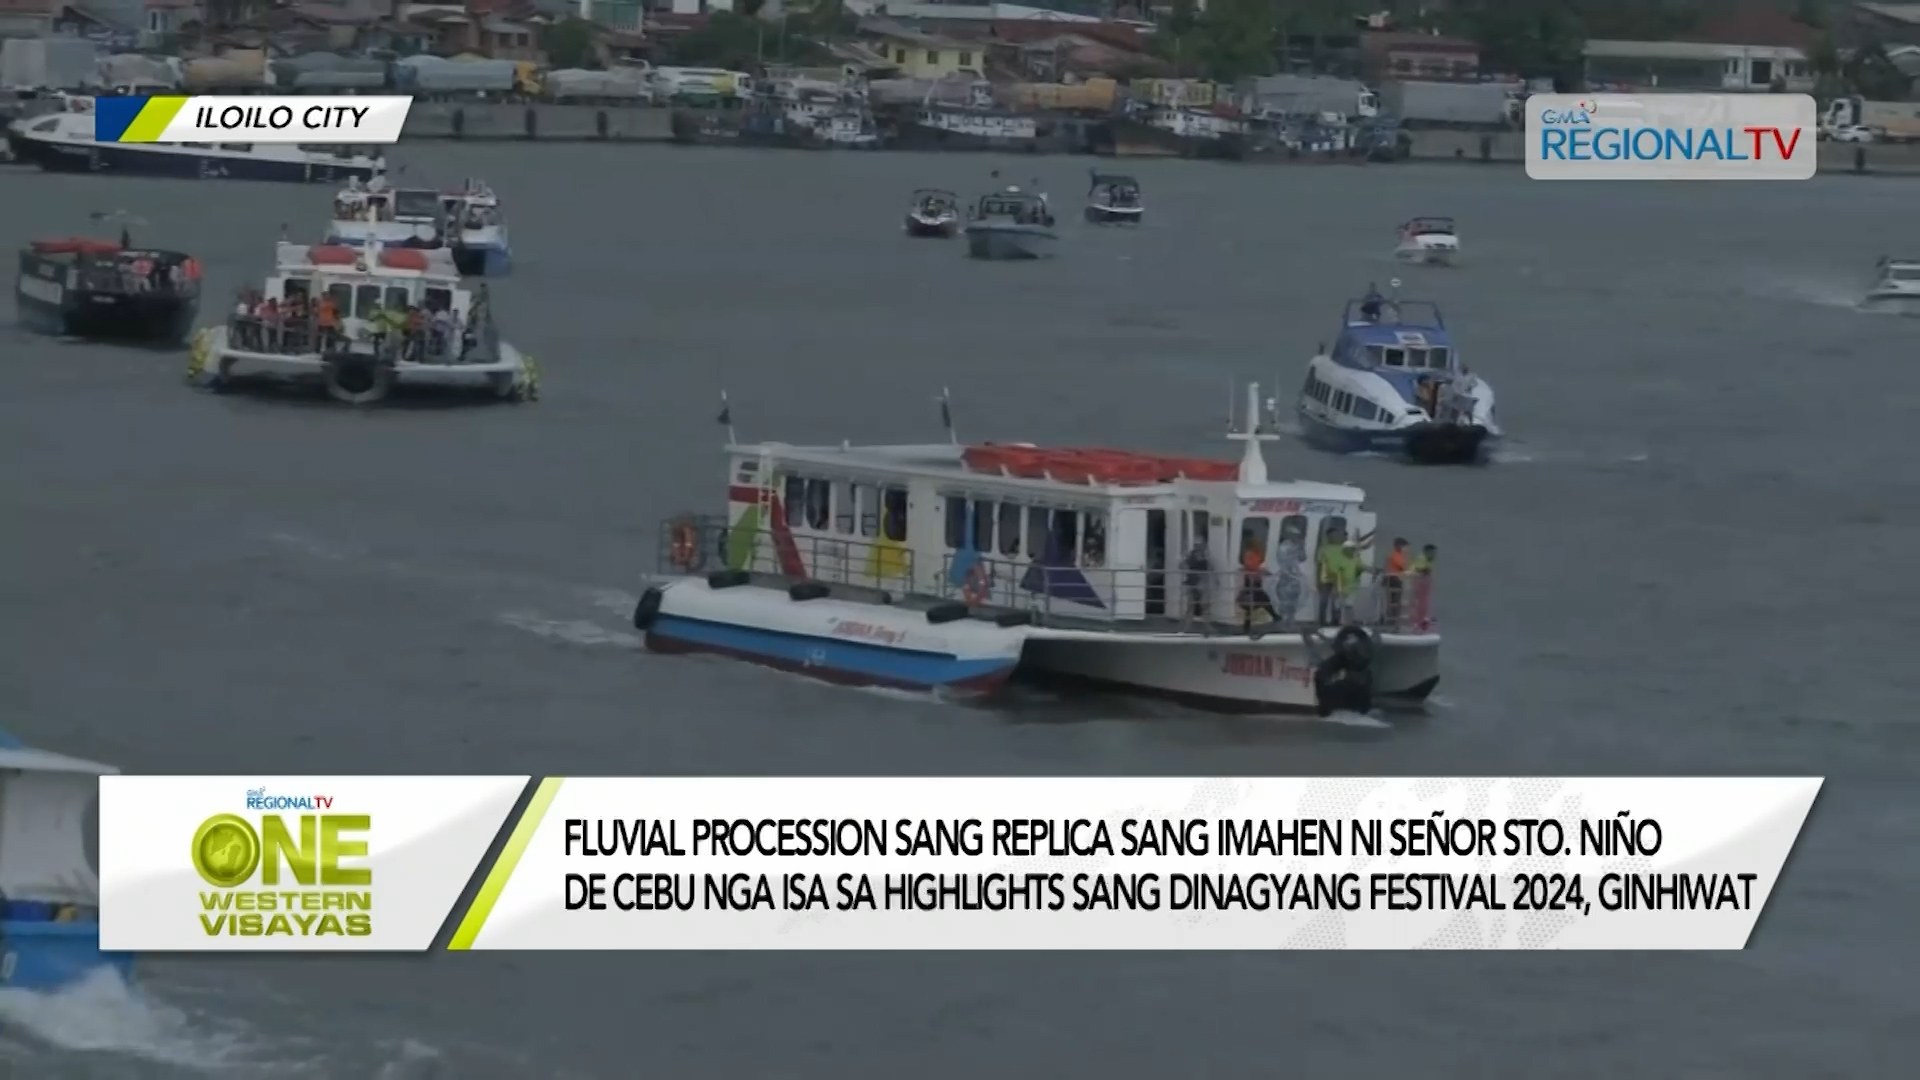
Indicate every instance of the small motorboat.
{"type": "Point", "coordinates": [1896, 289]}
{"type": "Point", "coordinates": [50, 913]}
{"type": "Point", "coordinates": [1429, 240]}
{"type": "Point", "coordinates": [934, 213]}
{"type": "Point", "coordinates": [479, 230]}
{"type": "Point", "coordinates": [1114, 200]}
{"type": "Point", "coordinates": [375, 212]}
{"type": "Point", "coordinates": [1011, 224]}
{"type": "Point", "coordinates": [107, 291]}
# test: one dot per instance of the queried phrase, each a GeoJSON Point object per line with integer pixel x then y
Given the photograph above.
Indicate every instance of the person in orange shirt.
{"type": "Point", "coordinates": [327, 318]}
{"type": "Point", "coordinates": [1253, 586]}
{"type": "Point", "coordinates": [1395, 576]}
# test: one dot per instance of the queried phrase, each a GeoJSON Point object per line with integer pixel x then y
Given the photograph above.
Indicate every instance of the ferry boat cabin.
{"type": "Point", "coordinates": [406, 278]}
{"type": "Point", "coordinates": [1095, 535]}
{"type": "Point", "coordinates": [1405, 345]}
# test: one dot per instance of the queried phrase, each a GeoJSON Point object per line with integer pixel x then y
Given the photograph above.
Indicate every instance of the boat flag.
{"type": "Point", "coordinates": [946, 414]}
{"type": "Point", "coordinates": [725, 419]}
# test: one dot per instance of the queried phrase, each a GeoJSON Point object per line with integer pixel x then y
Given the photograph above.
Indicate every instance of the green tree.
{"type": "Point", "coordinates": [569, 43]}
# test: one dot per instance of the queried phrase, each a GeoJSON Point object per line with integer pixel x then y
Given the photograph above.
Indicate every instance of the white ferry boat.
{"type": "Point", "coordinates": [376, 213]}
{"type": "Point", "coordinates": [952, 568]}
{"type": "Point", "coordinates": [479, 230]}
{"type": "Point", "coordinates": [1430, 240]}
{"type": "Point", "coordinates": [1896, 287]}
{"type": "Point", "coordinates": [64, 142]}
{"type": "Point", "coordinates": [361, 321]}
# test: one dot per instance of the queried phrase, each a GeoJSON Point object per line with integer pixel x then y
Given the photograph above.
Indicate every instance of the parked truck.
{"type": "Point", "coordinates": [1444, 104]}
{"type": "Point", "coordinates": [1889, 121]}
{"type": "Point", "coordinates": [1307, 95]}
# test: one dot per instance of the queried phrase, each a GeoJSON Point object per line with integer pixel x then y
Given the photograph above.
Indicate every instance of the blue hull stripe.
{"type": "Point", "coordinates": [1339, 440]}
{"type": "Point", "coordinates": [879, 663]}
{"type": "Point", "coordinates": [46, 956]}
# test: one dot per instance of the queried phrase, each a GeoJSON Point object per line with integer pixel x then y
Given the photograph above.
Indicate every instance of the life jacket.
{"type": "Point", "coordinates": [1421, 565]}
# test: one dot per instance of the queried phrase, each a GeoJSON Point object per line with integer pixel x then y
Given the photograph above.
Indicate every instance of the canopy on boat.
{"type": "Point", "coordinates": [1420, 225]}
{"type": "Point", "coordinates": [1113, 182]}
{"type": "Point", "coordinates": [74, 245]}
{"type": "Point", "coordinates": [48, 808]}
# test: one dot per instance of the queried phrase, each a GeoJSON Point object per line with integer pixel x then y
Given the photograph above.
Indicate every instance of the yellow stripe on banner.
{"type": "Point", "coordinates": [496, 881]}
{"type": "Point", "coordinates": [154, 117]}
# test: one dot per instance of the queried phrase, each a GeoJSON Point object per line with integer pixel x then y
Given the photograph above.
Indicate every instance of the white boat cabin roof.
{"type": "Point", "coordinates": [26, 760]}
{"type": "Point", "coordinates": [1046, 474]}
{"type": "Point", "coordinates": [432, 265]}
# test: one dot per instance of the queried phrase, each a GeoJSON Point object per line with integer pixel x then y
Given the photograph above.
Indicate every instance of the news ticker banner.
{"type": "Point", "coordinates": [214, 864]}
{"type": "Point", "coordinates": [1672, 137]}
{"type": "Point", "coordinates": [249, 119]}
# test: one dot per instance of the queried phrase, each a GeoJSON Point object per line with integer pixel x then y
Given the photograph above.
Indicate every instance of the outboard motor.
{"type": "Point", "coordinates": [1343, 682]}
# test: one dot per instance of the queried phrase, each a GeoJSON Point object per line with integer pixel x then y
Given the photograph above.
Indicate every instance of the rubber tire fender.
{"type": "Point", "coordinates": [381, 386]}
{"type": "Point", "coordinates": [648, 609]}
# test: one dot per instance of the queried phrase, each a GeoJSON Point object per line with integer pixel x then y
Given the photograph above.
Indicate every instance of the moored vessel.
{"type": "Point", "coordinates": [359, 322]}
{"type": "Point", "coordinates": [1394, 383]}
{"type": "Point", "coordinates": [933, 213]}
{"type": "Point", "coordinates": [955, 567]}
{"type": "Point", "coordinates": [1113, 199]}
{"type": "Point", "coordinates": [65, 142]}
{"type": "Point", "coordinates": [1430, 240]}
{"type": "Point", "coordinates": [1896, 287]}
{"type": "Point", "coordinates": [1010, 224]}
{"type": "Point", "coordinates": [49, 886]}
{"type": "Point", "coordinates": [103, 290]}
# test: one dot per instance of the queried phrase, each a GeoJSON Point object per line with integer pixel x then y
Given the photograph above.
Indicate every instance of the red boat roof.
{"type": "Point", "coordinates": [1092, 465]}
{"type": "Point", "coordinates": [332, 255]}
{"type": "Point", "coordinates": [75, 245]}
{"type": "Point", "coordinates": [404, 258]}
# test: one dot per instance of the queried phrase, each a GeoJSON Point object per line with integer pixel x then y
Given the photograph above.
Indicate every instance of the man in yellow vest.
{"type": "Point", "coordinates": [1346, 580]}
{"type": "Point", "coordinates": [1326, 577]}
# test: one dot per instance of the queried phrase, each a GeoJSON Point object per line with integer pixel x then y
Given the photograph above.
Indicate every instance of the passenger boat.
{"type": "Point", "coordinates": [99, 289]}
{"type": "Point", "coordinates": [50, 911]}
{"type": "Point", "coordinates": [64, 142]}
{"type": "Point", "coordinates": [1114, 200]}
{"type": "Point", "coordinates": [361, 358]}
{"type": "Point", "coordinates": [397, 218]}
{"type": "Point", "coordinates": [954, 568]}
{"type": "Point", "coordinates": [479, 230]}
{"type": "Point", "coordinates": [1430, 240]}
{"type": "Point", "coordinates": [934, 213]}
{"type": "Point", "coordinates": [1010, 224]}
{"type": "Point", "coordinates": [1896, 287]}
{"type": "Point", "coordinates": [1394, 384]}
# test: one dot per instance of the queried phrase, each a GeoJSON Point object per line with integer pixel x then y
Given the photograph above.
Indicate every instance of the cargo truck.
{"type": "Point", "coordinates": [1459, 105]}
{"type": "Point", "coordinates": [1307, 95]}
{"type": "Point", "coordinates": [1889, 121]}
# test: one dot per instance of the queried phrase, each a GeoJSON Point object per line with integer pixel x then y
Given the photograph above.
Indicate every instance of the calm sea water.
{"type": "Point", "coordinates": [1694, 560]}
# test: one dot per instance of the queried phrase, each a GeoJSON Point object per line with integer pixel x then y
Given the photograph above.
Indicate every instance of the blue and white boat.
{"type": "Point", "coordinates": [1393, 383]}
{"type": "Point", "coordinates": [49, 884]}
{"type": "Point", "coordinates": [479, 231]}
{"type": "Point", "coordinates": [64, 142]}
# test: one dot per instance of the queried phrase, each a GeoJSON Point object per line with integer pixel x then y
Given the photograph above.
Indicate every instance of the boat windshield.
{"type": "Point", "coordinates": [1386, 312]}
{"type": "Point", "coordinates": [1427, 226]}
{"type": "Point", "coordinates": [1904, 273]}
{"type": "Point", "coordinates": [416, 204]}
{"type": "Point", "coordinates": [1435, 358]}
{"type": "Point", "coordinates": [1020, 207]}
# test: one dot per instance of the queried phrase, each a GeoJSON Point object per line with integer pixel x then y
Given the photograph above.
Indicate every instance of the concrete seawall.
{"type": "Point", "coordinates": [1508, 148]}
{"type": "Point", "coordinates": [487, 122]}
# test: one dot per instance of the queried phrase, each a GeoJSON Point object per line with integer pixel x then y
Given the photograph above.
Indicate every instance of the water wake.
{"type": "Point", "coordinates": [102, 1014]}
{"type": "Point", "coordinates": [570, 631]}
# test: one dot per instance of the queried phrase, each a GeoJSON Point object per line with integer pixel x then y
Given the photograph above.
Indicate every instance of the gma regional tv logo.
{"type": "Point", "coordinates": [291, 874]}
{"type": "Point", "coordinates": [1671, 137]}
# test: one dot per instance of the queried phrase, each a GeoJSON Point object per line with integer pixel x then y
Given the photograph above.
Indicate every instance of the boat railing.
{"type": "Point", "coordinates": [1175, 600]}
{"type": "Point", "coordinates": [304, 336]}
{"type": "Point", "coordinates": [703, 543]}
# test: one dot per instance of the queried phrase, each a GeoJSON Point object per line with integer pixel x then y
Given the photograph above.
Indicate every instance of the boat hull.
{"type": "Point", "coordinates": [841, 641]}
{"type": "Point", "coordinates": [943, 229]}
{"type": "Point", "coordinates": [1425, 444]}
{"type": "Point", "coordinates": [1892, 303]}
{"type": "Point", "coordinates": [996, 241]}
{"type": "Point", "coordinates": [154, 320]}
{"type": "Point", "coordinates": [49, 956]}
{"type": "Point", "coordinates": [1110, 215]}
{"type": "Point", "coordinates": [1273, 673]}
{"type": "Point", "coordinates": [918, 136]}
{"type": "Point", "coordinates": [1427, 256]}
{"type": "Point", "coordinates": [216, 365]}
{"type": "Point", "coordinates": [130, 159]}
{"type": "Point", "coordinates": [482, 260]}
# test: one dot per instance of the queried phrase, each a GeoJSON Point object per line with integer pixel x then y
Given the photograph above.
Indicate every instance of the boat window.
{"type": "Point", "coordinates": [956, 522]}
{"type": "Point", "coordinates": [1437, 358]}
{"type": "Point", "coordinates": [983, 521]}
{"type": "Point", "coordinates": [1343, 402]}
{"type": "Point", "coordinates": [243, 147]}
{"type": "Point", "coordinates": [1253, 539]}
{"type": "Point", "coordinates": [819, 503]}
{"type": "Point", "coordinates": [843, 507]}
{"type": "Point", "coordinates": [1365, 410]}
{"type": "Point", "coordinates": [366, 300]}
{"type": "Point", "coordinates": [866, 501]}
{"type": "Point", "coordinates": [1063, 537]}
{"type": "Point", "coordinates": [1009, 529]}
{"type": "Point", "coordinates": [1037, 521]}
{"type": "Point", "coordinates": [439, 299]}
{"type": "Point", "coordinates": [1392, 357]}
{"type": "Point", "coordinates": [1093, 546]}
{"type": "Point", "coordinates": [199, 145]}
{"type": "Point", "coordinates": [1904, 273]}
{"type": "Point", "coordinates": [794, 497]}
{"type": "Point", "coordinates": [341, 295]}
{"type": "Point", "coordinates": [296, 287]}
{"type": "Point", "coordinates": [1293, 527]}
{"type": "Point", "coordinates": [894, 515]}
{"type": "Point", "coordinates": [1333, 529]}
{"type": "Point", "coordinates": [398, 298]}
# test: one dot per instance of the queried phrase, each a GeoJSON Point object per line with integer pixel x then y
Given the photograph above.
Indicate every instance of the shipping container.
{"type": "Point", "coordinates": [1094, 95]}
{"type": "Point", "coordinates": [237, 70]}
{"type": "Point", "coordinates": [572, 84]}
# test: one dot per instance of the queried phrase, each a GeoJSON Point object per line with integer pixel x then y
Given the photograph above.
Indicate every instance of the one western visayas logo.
{"type": "Point", "coordinates": [285, 876]}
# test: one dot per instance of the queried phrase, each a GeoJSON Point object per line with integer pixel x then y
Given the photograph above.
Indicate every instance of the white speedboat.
{"type": "Point", "coordinates": [1896, 288]}
{"type": "Point", "coordinates": [1114, 200]}
{"type": "Point", "coordinates": [480, 246]}
{"type": "Point", "coordinates": [359, 322]}
{"type": "Point", "coordinates": [64, 142]}
{"type": "Point", "coordinates": [1011, 224]}
{"type": "Point", "coordinates": [376, 213]}
{"type": "Point", "coordinates": [1430, 240]}
{"type": "Point", "coordinates": [953, 568]}
{"type": "Point", "coordinates": [933, 213]}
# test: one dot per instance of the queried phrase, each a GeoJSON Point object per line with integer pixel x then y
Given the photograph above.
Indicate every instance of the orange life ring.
{"type": "Point", "coordinates": [978, 585]}
{"type": "Point", "coordinates": [685, 545]}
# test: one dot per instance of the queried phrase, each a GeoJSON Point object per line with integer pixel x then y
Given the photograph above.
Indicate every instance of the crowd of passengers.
{"type": "Point", "coordinates": [297, 325]}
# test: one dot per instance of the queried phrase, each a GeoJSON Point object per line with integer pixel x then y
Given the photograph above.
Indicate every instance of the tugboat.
{"type": "Point", "coordinates": [1114, 200]}
{"type": "Point", "coordinates": [1010, 224]}
{"type": "Point", "coordinates": [1896, 288]}
{"type": "Point", "coordinates": [934, 213]}
{"type": "Point", "coordinates": [1429, 240]}
{"type": "Point", "coordinates": [50, 913]}
{"type": "Point", "coordinates": [64, 142]}
{"type": "Point", "coordinates": [376, 213]}
{"type": "Point", "coordinates": [358, 322]}
{"type": "Point", "coordinates": [1394, 384]}
{"type": "Point", "coordinates": [102, 290]}
{"type": "Point", "coordinates": [966, 566]}
{"type": "Point", "coordinates": [480, 247]}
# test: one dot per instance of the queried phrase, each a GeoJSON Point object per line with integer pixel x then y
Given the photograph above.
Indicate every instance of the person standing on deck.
{"type": "Point", "coordinates": [1253, 587]}
{"type": "Point", "coordinates": [1199, 567]}
{"type": "Point", "coordinates": [1289, 575]}
{"type": "Point", "coordinates": [1395, 579]}
{"type": "Point", "coordinates": [1422, 574]}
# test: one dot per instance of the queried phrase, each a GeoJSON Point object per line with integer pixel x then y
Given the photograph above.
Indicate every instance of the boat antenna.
{"type": "Point", "coordinates": [124, 218]}
{"type": "Point", "coordinates": [1253, 463]}
{"type": "Point", "coordinates": [946, 415]}
{"type": "Point", "coordinates": [725, 419]}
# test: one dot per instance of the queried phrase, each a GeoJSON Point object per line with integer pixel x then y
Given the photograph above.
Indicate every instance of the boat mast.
{"type": "Point", "coordinates": [1253, 463]}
